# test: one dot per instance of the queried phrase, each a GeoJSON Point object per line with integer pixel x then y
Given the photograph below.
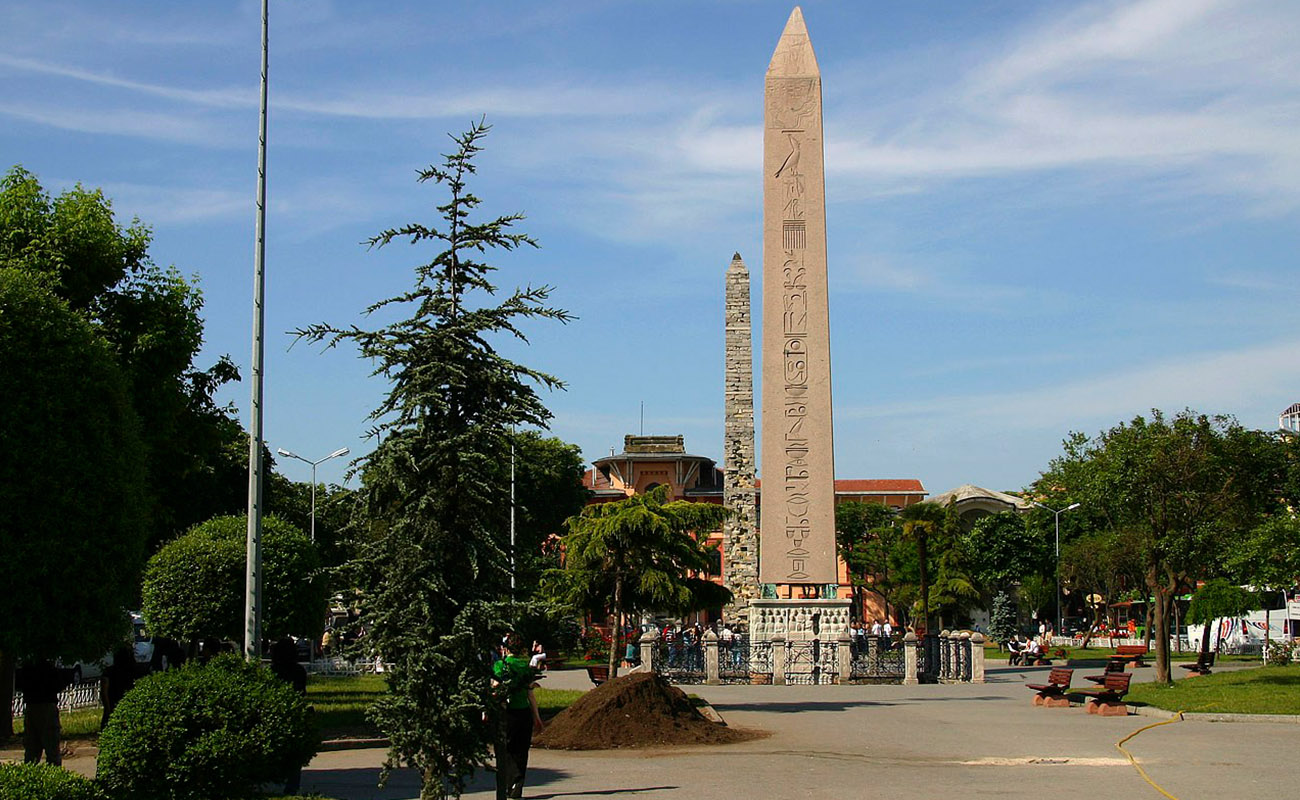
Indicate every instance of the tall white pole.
{"type": "Point", "coordinates": [313, 504]}
{"type": "Point", "coordinates": [253, 573]}
{"type": "Point", "coordinates": [1060, 629]}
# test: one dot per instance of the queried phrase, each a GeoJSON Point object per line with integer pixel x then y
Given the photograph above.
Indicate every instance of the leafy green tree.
{"type": "Point", "coordinates": [432, 514]}
{"type": "Point", "coordinates": [291, 502]}
{"type": "Point", "coordinates": [71, 483]}
{"type": "Point", "coordinates": [1217, 598]}
{"type": "Point", "coordinates": [1003, 551]}
{"type": "Point", "coordinates": [636, 555]}
{"type": "Point", "coordinates": [1187, 485]}
{"type": "Point", "coordinates": [865, 534]}
{"type": "Point", "coordinates": [1269, 557]}
{"type": "Point", "coordinates": [1037, 593]}
{"type": "Point", "coordinates": [194, 585]}
{"type": "Point", "coordinates": [548, 490]}
{"type": "Point", "coordinates": [1105, 565]}
{"type": "Point", "coordinates": [151, 317]}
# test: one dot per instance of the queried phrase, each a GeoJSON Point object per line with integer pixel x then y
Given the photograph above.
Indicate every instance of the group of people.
{"type": "Point", "coordinates": [1025, 651]}
{"type": "Point", "coordinates": [879, 629]}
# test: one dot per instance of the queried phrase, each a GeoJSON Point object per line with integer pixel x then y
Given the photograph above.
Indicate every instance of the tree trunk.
{"type": "Point", "coordinates": [1205, 642]}
{"type": "Point", "coordinates": [616, 628]}
{"type": "Point", "coordinates": [925, 583]}
{"type": "Point", "coordinates": [1163, 611]}
{"type": "Point", "coordinates": [7, 694]}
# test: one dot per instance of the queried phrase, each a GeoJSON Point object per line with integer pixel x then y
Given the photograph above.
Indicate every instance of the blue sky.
{"type": "Point", "coordinates": [1043, 216]}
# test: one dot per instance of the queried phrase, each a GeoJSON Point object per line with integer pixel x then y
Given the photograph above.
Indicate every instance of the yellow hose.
{"type": "Point", "coordinates": [1120, 744]}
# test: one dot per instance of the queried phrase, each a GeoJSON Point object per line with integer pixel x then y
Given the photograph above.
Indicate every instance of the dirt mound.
{"type": "Point", "coordinates": [637, 710]}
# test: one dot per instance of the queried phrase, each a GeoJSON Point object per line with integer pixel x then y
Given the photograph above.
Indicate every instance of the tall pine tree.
{"type": "Point", "coordinates": [434, 570]}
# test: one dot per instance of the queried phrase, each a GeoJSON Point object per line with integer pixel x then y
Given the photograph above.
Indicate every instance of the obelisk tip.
{"type": "Point", "coordinates": [794, 53]}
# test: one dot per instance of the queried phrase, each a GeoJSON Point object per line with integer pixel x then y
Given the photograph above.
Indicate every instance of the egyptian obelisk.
{"type": "Point", "coordinates": [797, 528]}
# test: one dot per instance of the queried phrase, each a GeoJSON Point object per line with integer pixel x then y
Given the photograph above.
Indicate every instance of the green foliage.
{"type": "Point", "coordinates": [1038, 594]}
{"type": "Point", "coordinates": [44, 782]}
{"type": "Point", "coordinates": [867, 537]}
{"type": "Point", "coordinates": [432, 514]}
{"type": "Point", "coordinates": [1219, 598]}
{"type": "Point", "coordinates": [194, 585]}
{"type": "Point", "coordinates": [954, 591]}
{"type": "Point", "coordinates": [1003, 551]}
{"type": "Point", "coordinates": [291, 502]}
{"type": "Point", "coordinates": [548, 490]}
{"type": "Point", "coordinates": [71, 480]}
{"type": "Point", "coordinates": [638, 555]}
{"type": "Point", "coordinates": [1269, 556]}
{"type": "Point", "coordinates": [1278, 653]}
{"type": "Point", "coordinates": [921, 521]}
{"type": "Point", "coordinates": [205, 732]}
{"type": "Point", "coordinates": [72, 245]}
{"type": "Point", "coordinates": [1187, 487]}
{"type": "Point", "coordinates": [1104, 563]}
{"type": "Point", "coordinates": [1002, 618]}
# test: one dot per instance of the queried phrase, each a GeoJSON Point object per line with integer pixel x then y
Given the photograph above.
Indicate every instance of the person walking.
{"type": "Point", "coordinates": [40, 682]}
{"type": "Point", "coordinates": [117, 681]}
{"type": "Point", "coordinates": [517, 680]}
{"type": "Point", "coordinates": [284, 663]}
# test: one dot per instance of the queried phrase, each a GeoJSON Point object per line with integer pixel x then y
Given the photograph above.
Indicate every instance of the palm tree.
{"type": "Point", "coordinates": [920, 520]}
{"type": "Point", "coordinates": [638, 554]}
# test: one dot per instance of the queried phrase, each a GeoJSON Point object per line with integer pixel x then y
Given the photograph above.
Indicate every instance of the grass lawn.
{"type": "Point", "coordinates": [1098, 652]}
{"type": "Point", "coordinates": [80, 724]}
{"type": "Point", "coordinates": [341, 703]}
{"type": "Point", "coordinates": [1266, 690]}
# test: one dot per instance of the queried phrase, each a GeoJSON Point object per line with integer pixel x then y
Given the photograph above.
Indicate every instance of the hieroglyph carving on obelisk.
{"type": "Point", "coordinates": [797, 496]}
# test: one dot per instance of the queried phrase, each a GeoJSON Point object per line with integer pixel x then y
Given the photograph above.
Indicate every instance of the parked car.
{"type": "Point", "coordinates": [86, 670]}
{"type": "Point", "coordinates": [142, 642]}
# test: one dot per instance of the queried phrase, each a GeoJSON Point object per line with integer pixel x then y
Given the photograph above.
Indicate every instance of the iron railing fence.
{"type": "Point", "coordinates": [877, 658]}
{"type": "Point", "coordinates": [680, 661]}
{"type": "Point", "coordinates": [82, 695]}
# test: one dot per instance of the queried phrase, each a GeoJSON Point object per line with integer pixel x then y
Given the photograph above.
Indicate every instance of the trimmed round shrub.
{"type": "Point", "coordinates": [44, 782]}
{"type": "Point", "coordinates": [205, 732]}
{"type": "Point", "coordinates": [194, 586]}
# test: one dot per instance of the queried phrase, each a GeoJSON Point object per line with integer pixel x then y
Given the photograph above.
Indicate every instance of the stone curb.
{"type": "Point", "coordinates": [1201, 716]}
{"type": "Point", "coordinates": [351, 744]}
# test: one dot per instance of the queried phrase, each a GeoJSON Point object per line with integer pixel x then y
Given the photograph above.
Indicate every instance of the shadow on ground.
{"type": "Point", "coordinates": [791, 706]}
{"type": "Point", "coordinates": [362, 783]}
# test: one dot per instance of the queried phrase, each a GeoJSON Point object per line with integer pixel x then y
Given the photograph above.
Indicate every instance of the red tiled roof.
{"type": "Point", "coordinates": [875, 485]}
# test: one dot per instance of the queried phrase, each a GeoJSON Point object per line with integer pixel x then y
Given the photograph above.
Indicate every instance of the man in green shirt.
{"type": "Point", "coordinates": [517, 679]}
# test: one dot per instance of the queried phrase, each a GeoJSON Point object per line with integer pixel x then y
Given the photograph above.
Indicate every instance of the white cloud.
{"type": "Point", "coordinates": [1210, 382]}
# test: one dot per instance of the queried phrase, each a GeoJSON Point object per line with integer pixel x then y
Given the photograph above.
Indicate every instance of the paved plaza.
{"type": "Point", "coordinates": [887, 743]}
{"type": "Point", "coordinates": [895, 742]}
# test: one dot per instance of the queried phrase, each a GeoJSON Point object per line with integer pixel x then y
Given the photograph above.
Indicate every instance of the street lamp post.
{"type": "Point", "coordinates": [342, 451]}
{"type": "Point", "coordinates": [1056, 515]}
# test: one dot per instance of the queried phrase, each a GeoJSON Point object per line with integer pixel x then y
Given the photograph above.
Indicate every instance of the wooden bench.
{"type": "Point", "coordinates": [1112, 667]}
{"type": "Point", "coordinates": [1130, 654]}
{"type": "Point", "coordinates": [1202, 666]}
{"type": "Point", "coordinates": [1107, 699]}
{"type": "Point", "coordinates": [1052, 693]}
{"type": "Point", "coordinates": [598, 675]}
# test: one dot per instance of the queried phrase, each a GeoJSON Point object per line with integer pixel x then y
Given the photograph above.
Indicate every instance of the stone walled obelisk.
{"type": "Point", "coordinates": [740, 530]}
{"type": "Point", "coordinates": [797, 531]}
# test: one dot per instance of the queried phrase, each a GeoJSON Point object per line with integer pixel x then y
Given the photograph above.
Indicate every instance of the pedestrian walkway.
{"type": "Point", "coordinates": [892, 743]}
